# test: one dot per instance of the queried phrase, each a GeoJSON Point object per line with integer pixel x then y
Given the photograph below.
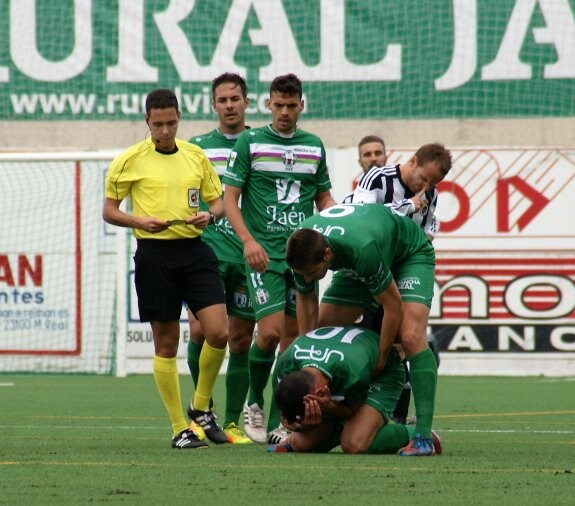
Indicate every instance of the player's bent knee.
{"type": "Point", "coordinates": [218, 339]}
{"type": "Point", "coordinates": [300, 443]}
{"type": "Point", "coordinates": [196, 332]}
{"type": "Point", "coordinates": [268, 342]}
{"type": "Point", "coordinates": [240, 344]}
{"type": "Point", "coordinates": [352, 448]}
{"type": "Point", "coordinates": [354, 444]}
{"type": "Point", "coordinates": [413, 343]}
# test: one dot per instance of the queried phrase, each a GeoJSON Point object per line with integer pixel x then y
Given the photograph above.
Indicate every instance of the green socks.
{"type": "Point", "coordinates": [194, 351]}
{"type": "Point", "coordinates": [423, 374]}
{"type": "Point", "coordinates": [260, 365]}
{"type": "Point", "coordinates": [391, 438]}
{"type": "Point", "coordinates": [237, 385]}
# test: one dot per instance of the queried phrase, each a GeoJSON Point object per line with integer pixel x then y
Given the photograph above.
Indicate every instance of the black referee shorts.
{"type": "Point", "coordinates": [170, 272]}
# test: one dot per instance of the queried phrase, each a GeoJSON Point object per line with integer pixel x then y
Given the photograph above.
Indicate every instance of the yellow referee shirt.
{"type": "Point", "coordinates": [166, 186]}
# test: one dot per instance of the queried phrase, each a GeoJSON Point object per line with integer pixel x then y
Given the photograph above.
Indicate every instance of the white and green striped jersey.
{"type": "Point", "coordinates": [221, 236]}
{"type": "Point", "coordinates": [279, 177]}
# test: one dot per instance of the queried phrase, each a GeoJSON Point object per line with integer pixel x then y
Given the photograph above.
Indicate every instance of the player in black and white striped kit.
{"type": "Point", "coordinates": [410, 189]}
{"type": "Point", "coordinates": [386, 185]}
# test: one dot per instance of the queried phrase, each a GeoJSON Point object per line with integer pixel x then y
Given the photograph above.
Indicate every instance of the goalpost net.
{"type": "Point", "coordinates": [58, 266]}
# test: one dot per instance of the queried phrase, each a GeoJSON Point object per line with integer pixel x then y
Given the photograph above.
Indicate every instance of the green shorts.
{"type": "Point", "coordinates": [238, 303]}
{"type": "Point", "coordinates": [414, 278]}
{"type": "Point", "coordinates": [385, 389]}
{"type": "Point", "coordinates": [345, 289]}
{"type": "Point", "coordinates": [273, 290]}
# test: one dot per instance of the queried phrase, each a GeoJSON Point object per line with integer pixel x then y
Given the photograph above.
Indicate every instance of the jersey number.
{"type": "Point", "coordinates": [330, 332]}
{"type": "Point", "coordinates": [339, 210]}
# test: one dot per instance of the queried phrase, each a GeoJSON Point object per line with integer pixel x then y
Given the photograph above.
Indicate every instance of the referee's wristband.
{"type": "Point", "coordinates": [212, 219]}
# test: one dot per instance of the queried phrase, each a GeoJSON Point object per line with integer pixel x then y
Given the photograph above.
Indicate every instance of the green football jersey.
{"type": "Point", "coordinates": [371, 241]}
{"type": "Point", "coordinates": [279, 177]}
{"type": "Point", "coordinates": [220, 236]}
{"type": "Point", "coordinates": [346, 355]}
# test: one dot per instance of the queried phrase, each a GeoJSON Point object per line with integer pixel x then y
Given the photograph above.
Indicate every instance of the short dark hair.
{"type": "Point", "coordinates": [230, 77]}
{"type": "Point", "coordinates": [162, 98]}
{"type": "Point", "coordinates": [371, 138]}
{"type": "Point", "coordinates": [290, 392]}
{"type": "Point", "coordinates": [305, 247]}
{"type": "Point", "coordinates": [288, 84]}
{"type": "Point", "coordinates": [434, 152]}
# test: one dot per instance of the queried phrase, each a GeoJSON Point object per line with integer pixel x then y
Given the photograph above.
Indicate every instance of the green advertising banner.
{"type": "Point", "coordinates": [358, 59]}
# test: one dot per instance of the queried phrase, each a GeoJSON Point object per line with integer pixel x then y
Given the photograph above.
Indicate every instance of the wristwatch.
{"type": "Point", "coordinates": [212, 219]}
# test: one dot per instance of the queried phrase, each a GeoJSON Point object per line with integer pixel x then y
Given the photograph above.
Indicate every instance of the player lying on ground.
{"type": "Point", "coordinates": [328, 394]}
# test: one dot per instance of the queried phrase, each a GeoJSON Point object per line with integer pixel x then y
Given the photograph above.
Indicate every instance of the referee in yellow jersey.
{"type": "Point", "coordinates": [165, 178]}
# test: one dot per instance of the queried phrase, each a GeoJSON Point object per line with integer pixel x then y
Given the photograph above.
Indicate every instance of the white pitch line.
{"type": "Point", "coordinates": [556, 380]}
{"type": "Point", "coordinates": [6, 384]}
{"type": "Point", "coordinates": [129, 427]}
{"type": "Point", "coordinates": [508, 431]}
{"type": "Point", "coordinates": [79, 427]}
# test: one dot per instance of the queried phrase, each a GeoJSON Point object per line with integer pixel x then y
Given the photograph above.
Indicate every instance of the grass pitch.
{"type": "Point", "coordinates": [75, 440]}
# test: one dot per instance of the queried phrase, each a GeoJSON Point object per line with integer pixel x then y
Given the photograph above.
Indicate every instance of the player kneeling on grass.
{"type": "Point", "coordinates": [329, 394]}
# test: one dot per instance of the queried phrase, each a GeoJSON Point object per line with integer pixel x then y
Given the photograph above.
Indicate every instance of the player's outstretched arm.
{"type": "Point", "coordinates": [307, 305]}
{"type": "Point", "coordinates": [390, 300]}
